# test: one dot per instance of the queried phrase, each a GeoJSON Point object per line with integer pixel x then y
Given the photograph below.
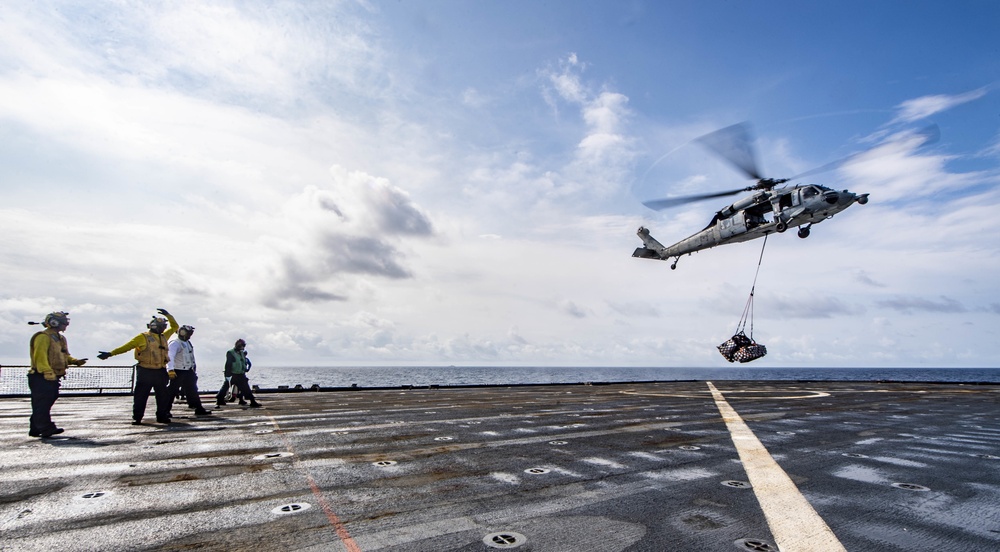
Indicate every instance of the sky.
{"type": "Point", "coordinates": [447, 182]}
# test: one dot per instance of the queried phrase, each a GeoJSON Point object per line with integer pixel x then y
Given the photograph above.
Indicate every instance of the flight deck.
{"type": "Point", "coordinates": [690, 465]}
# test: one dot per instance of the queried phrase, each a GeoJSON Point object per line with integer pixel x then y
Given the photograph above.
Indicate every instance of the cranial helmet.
{"type": "Point", "coordinates": [185, 330]}
{"type": "Point", "coordinates": [56, 319]}
{"type": "Point", "coordinates": [157, 323]}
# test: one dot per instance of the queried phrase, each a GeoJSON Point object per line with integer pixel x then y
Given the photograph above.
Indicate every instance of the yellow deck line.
{"type": "Point", "coordinates": [795, 525]}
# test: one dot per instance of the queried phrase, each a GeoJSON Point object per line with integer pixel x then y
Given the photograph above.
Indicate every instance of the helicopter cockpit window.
{"type": "Point", "coordinates": [809, 192]}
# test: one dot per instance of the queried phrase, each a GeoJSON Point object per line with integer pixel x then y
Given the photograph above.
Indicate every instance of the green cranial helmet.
{"type": "Point", "coordinates": [56, 319]}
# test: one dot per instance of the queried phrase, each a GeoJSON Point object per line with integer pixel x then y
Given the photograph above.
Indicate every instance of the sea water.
{"type": "Point", "coordinates": [267, 377]}
{"type": "Point", "coordinates": [118, 379]}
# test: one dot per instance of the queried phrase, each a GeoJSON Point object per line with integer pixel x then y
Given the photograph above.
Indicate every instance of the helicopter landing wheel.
{"type": "Point", "coordinates": [673, 265]}
{"type": "Point", "coordinates": [804, 232]}
{"type": "Point", "coordinates": [782, 226]}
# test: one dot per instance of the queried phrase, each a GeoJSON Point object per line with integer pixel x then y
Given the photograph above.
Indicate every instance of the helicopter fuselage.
{"type": "Point", "coordinates": [754, 216]}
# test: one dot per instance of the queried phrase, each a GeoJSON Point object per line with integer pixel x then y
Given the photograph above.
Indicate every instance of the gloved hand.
{"type": "Point", "coordinates": [171, 374]}
{"type": "Point", "coordinates": [80, 362]}
{"type": "Point", "coordinates": [49, 376]}
{"type": "Point", "coordinates": [103, 355]}
{"type": "Point", "coordinates": [163, 312]}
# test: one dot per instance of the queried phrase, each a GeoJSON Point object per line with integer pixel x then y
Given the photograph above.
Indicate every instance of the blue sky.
{"type": "Point", "coordinates": [450, 182]}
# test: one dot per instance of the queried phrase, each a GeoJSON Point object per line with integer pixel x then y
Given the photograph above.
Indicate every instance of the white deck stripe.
{"type": "Point", "coordinates": [794, 523]}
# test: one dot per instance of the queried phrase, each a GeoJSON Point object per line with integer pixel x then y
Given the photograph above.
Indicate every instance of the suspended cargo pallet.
{"type": "Point", "coordinates": [740, 347]}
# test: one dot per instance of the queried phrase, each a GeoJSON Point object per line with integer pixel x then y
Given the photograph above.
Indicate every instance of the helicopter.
{"type": "Point", "coordinates": [769, 208]}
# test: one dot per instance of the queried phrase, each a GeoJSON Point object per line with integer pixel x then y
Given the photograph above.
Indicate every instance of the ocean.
{"type": "Point", "coordinates": [421, 376]}
{"type": "Point", "coordinates": [118, 379]}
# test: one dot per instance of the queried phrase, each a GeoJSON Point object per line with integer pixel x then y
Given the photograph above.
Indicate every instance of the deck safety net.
{"type": "Point", "coordinates": [79, 379]}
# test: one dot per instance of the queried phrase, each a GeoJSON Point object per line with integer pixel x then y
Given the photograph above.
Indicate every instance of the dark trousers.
{"type": "Point", "coordinates": [239, 381]}
{"type": "Point", "coordinates": [186, 383]}
{"type": "Point", "coordinates": [155, 379]}
{"type": "Point", "coordinates": [43, 395]}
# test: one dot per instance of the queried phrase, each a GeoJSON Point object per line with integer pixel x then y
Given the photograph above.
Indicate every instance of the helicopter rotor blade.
{"type": "Point", "coordinates": [667, 202]}
{"type": "Point", "coordinates": [734, 144]}
{"type": "Point", "coordinates": [928, 134]}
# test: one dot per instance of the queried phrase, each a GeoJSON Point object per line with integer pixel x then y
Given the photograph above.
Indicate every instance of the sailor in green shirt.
{"type": "Point", "coordinates": [236, 375]}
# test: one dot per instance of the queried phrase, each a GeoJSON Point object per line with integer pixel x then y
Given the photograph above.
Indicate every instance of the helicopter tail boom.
{"type": "Point", "coordinates": [651, 249]}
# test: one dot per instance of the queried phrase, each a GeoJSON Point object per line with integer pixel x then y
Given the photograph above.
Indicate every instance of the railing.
{"type": "Point", "coordinates": [113, 380]}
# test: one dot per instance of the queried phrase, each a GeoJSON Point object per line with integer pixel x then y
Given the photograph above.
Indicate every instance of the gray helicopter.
{"type": "Point", "coordinates": [769, 209]}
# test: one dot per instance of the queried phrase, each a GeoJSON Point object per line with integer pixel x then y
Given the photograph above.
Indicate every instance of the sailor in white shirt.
{"type": "Point", "coordinates": [181, 367]}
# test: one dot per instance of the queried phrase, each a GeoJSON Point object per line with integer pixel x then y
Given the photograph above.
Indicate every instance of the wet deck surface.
{"type": "Point", "coordinates": [638, 467]}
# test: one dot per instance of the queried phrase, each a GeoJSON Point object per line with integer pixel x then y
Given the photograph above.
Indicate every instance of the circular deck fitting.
{"type": "Point", "coordinates": [536, 471]}
{"type": "Point", "coordinates": [272, 455]}
{"type": "Point", "coordinates": [558, 443]}
{"type": "Point", "coordinates": [384, 463]}
{"type": "Point", "coordinates": [757, 545]}
{"type": "Point", "coordinates": [910, 487]}
{"type": "Point", "coordinates": [293, 508]}
{"type": "Point", "coordinates": [505, 540]}
{"type": "Point", "coordinates": [443, 438]}
{"type": "Point", "coordinates": [689, 447]}
{"type": "Point", "coordinates": [854, 455]}
{"type": "Point", "coordinates": [786, 433]}
{"type": "Point", "coordinates": [93, 495]}
{"type": "Point", "coordinates": [737, 484]}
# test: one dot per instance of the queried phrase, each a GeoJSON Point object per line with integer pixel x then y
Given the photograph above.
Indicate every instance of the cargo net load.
{"type": "Point", "coordinates": [741, 347]}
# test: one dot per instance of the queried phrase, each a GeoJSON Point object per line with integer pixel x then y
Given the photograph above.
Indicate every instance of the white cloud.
{"type": "Point", "coordinates": [926, 106]}
{"type": "Point", "coordinates": [352, 228]}
{"type": "Point", "coordinates": [184, 154]}
{"type": "Point", "coordinates": [897, 169]}
{"type": "Point", "coordinates": [605, 153]}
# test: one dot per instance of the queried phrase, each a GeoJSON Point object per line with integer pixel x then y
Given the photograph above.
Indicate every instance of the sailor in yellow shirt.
{"type": "Point", "coordinates": [49, 359]}
{"type": "Point", "coordinates": [151, 367]}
